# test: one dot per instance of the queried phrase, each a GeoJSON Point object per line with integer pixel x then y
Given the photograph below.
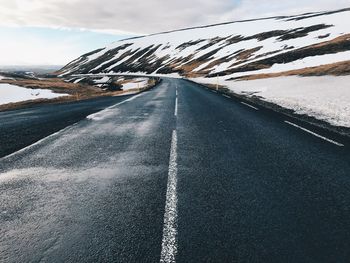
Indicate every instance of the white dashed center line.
{"type": "Point", "coordinates": [176, 102]}
{"type": "Point", "coordinates": [169, 242]}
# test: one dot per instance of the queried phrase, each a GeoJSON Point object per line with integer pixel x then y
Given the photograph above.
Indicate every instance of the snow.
{"type": "Point", "coordinates": [7, 78]}
{"type": "Point", "coordinates": [300, 64]}
{"type": "Point", "coordinates": [129, 74]}
{"type": "Point", "coordinates": [135, 83]}
{"type": "Point", "coordinates": [78, 80]}
{"type": "Point", "coordinates": [326, 98]}
{"type": "Point", "coordinates": [168, 42]}
{"type": "Point", "coordinates": [103, 80]}
{"type": "Point", "coordinates": [12, 93]}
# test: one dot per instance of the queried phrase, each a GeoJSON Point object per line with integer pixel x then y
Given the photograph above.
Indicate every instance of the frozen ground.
{"type": "Point", "coordinates": [4, 78]}
{"type": "Point", "coordinates": [326, 98]}
{"type": "Point", "coordinates": [12, 93]}
{"type": "Point", "coordinates": [135, 84]}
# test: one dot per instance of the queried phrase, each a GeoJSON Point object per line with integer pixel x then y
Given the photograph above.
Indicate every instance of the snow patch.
{"type": "Point", "coordinates": [138, 83]}
{"type": "Point", "coordinates": [12, 93]}
{"type": "Point", "coordinates": [103, 80]}
{"type": "Point", "coordinates": [326, 98]}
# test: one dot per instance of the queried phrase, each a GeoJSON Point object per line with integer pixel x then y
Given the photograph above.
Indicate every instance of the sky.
{"type": "Point", "coordinates": [54, 32]}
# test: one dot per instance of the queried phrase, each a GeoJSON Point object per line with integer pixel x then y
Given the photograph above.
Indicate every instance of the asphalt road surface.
{"type": "Point", "coordinates": [178, 173]}
{"type": "Point", "coordinates": [23, 127]}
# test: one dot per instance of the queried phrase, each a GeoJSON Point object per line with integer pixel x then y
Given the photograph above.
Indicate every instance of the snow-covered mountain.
{"type": "Point", "coordinates": [232, 50]}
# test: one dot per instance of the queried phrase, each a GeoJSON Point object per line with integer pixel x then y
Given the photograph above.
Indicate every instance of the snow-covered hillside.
{"type": "Point", "coordinates": [231, 50]}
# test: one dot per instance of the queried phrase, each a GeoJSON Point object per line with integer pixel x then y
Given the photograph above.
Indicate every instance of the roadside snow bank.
{"type": "Point", "coordinates": [5, 78]}
{"type": "Point", "coordinates": [326, 98]}
{"type": "Point", "coordinates": [12, 93]}
{"type": "Point", "coordinates": [135, 83]}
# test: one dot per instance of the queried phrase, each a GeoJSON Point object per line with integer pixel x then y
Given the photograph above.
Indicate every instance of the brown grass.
{"type": "Point", "coordinates": [335, 69]}
{"type": "Point", "coordinates": [246, 54]}
{"type": "Point", "coordinates": [77, 91]}
{"type": "Point", "coordinates": [54, 84]}
{"type": "Point", "coordinates": [188, 68]}
{"type": "Point", "coordinates": [342, 38]}
{"type": "Point", "coordinates": [339, 44]}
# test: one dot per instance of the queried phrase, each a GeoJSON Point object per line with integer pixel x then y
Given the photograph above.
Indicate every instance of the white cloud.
{"type": "Point", "coordinates": [37, 51]}
{"type": "Point", "coordinates": [137, 16]}
{"type": "Point", "coordinates": [43, 46]}
{"type": "Point", "coordinates": [266, 8]}
{"type": "Point", "coordinates": [140, 16]}
{"type": "Point", "coordinates": [120, 17]}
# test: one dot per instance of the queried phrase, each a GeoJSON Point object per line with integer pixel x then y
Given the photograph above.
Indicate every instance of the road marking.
{"type": "Point", "coordinates": [226, 96]}
{"type": "Point", "coordinates": [91, 116]}
{"type": "Point", "coordinates": [113, 106]}
{"type": "Point", "coordinates": [169, 241]}
{"type": "Point", "coordinates": [39, 142]}
{"type": "Point", "coordinates": [132, 98]}
{"type": "Point", "coordinates": [315, 134]}
{"type": "Point", "coordinates": [249, 105]}
{"type": "Point", "coordinates": [96, 114]}
{"type": "Point", "coordinates": [176, 102]}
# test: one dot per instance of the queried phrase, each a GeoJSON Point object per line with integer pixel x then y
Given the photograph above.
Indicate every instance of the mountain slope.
{"type": "Point", "coordinates": [233, 50]}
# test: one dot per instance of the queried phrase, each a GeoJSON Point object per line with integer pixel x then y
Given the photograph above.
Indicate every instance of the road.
{"type": "Point", "coordinates": [23, 127]}
{"type": "Point", "coordinates": [178, 173]}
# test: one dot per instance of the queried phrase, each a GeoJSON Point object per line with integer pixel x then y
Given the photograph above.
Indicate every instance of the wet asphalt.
{"type": "Point", "coordinates": [23, 127]}
{"type": "Point", "coordinates": [250, 188]}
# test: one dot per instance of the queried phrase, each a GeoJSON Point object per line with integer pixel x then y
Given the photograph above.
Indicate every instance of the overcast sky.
{"type": "Point", "coordinates": [57, 31]}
